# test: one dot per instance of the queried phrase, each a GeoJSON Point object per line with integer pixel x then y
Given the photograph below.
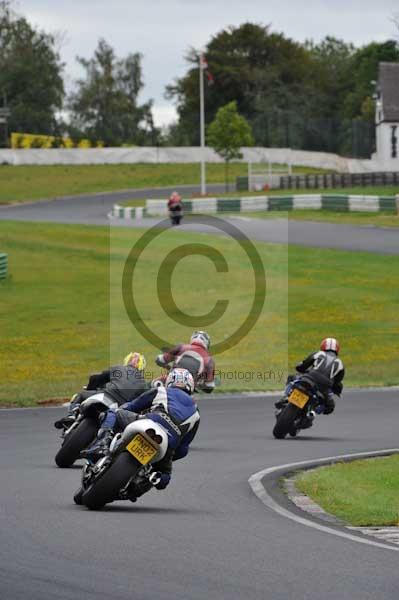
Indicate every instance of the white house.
{"type": "Point", "coordinates": [387, 116]}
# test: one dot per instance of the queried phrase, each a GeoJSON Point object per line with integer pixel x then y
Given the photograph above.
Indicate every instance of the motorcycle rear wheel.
{"type": "Point", "coordinates": [106, 488]}
{"type": "Point", "coordinates": [75, 442]}
{"type": "Point", "coordinates": [285, 421]}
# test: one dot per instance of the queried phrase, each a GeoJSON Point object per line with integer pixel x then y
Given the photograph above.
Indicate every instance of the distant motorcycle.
{"type": "Point", "coordinates": [176, 214]}
{"type": "Point", "coordinates": [126, 472]}
{"type": "Point", "coordinates": [299, 409]}
{"type": "Point", "coordinates": [175, 208]}
{"type": "Point", "coordinates": [84, 428]}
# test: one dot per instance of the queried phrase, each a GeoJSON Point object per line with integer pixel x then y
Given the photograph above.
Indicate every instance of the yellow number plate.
{"type": "Point", "coordinates": [298, 398]}
{"type": "Point", "coordinates": [142, 450]}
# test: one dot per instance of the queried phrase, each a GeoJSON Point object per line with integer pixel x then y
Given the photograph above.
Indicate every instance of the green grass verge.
{"type": "Point", "coordinates": [362, 492]}
{"type": "Point", "coordinates": [362, 191]}
{"type": "Point", "coordinates": [32, 182]}
{"type": "Point", "coordinates": [365, 219]}
{"type": "Point", "coordinates": [55, 315]}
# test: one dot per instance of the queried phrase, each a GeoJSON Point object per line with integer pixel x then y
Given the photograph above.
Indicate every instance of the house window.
{"type": "Point", "coordinates": [394, 142]}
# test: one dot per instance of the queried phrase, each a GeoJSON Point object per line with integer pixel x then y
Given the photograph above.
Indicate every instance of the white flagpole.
{"type": "Point", "coordinates": [202, 123]}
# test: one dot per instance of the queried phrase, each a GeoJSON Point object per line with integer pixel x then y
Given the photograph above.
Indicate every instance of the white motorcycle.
{"type": "Point", "coordinates": [126, 471]}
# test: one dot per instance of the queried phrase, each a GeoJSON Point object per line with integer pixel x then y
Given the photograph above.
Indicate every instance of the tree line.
{"type": "Point", "coordinates": [314, 96]}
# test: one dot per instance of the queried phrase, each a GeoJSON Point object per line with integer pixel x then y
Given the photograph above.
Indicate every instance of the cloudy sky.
{"type": "Point", "coordinates": [162, 30]}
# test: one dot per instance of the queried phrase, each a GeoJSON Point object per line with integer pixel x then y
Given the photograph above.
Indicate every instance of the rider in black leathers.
{"type": "Point", "coordinates": [324, 369]}
{"type": "Point", "coordinates": [121, 382]}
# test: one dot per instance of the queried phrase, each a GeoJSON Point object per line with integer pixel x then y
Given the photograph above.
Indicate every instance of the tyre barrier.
{"type": "Point", "coordinates": [3, 265]}
{"type": "Point", "coordinates": [331, 202]}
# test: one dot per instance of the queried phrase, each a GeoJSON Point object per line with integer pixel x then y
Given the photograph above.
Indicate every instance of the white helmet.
{"type": "Point", "coordinates": [180, 378]}
{"type": "Point", "coordinates": [202, 338]}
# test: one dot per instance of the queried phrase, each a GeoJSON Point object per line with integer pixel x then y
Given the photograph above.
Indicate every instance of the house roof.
{"type": "Point", "coordinates": [388, 87]}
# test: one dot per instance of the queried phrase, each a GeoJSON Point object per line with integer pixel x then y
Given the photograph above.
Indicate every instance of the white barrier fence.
{"type": "Point", "coordinates": [79, 156]}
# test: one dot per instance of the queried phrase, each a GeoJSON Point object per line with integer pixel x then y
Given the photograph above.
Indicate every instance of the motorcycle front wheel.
{"type": "Point", "coordinates": [285, 421]}
{"type": "Point", "coordinates": [106, 488]}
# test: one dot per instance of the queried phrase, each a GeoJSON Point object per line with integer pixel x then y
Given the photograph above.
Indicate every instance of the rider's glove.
{"type": "Point", "coordinates": [163, 482]}
{"type": "Point", "coordinates": [156, 383]}
{"type": "Point", "coordinates": [160, 360]}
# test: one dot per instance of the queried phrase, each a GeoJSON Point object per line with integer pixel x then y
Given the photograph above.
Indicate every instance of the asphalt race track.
{"type": "Point", "coordinates": [93, 209]}
{"type": "Point", "coordinates": [207, 535]}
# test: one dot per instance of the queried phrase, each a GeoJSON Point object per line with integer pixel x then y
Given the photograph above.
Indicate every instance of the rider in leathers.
{"type": "Point", "coordinates": [121, 382]}
{"type": "Point", "coordinates": [171, 406]}
{"type": "Point", "coordinates": [325, 370]}
{"type": "Point", "coordinates": [195, 358]}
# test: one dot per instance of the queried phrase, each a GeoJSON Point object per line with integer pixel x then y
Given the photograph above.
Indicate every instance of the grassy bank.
{"type": "Point", "coordinates": [362, 493]}
{"type": "Point", "coordinates": [56, 324]}
{"type": "Point", "coordinates": [32, 182]}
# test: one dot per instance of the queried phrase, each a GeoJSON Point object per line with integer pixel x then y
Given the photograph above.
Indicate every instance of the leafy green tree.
{"type": "Point", "coordinates": [228, 133]}
{"type": "Point", "coordinates": [105, 104]}
{"type": "Point", "coordinates": [30, 74]}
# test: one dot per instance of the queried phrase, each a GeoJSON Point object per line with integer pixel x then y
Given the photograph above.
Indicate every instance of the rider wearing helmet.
{"type": "Point", "coordinates": [324, 369]}
{"type": "Point", "coordinates": [195, 358]}
{"type": "Point", "coordinates": [171, 406]}
{"type": "Point", "coordinates": [122, 382]}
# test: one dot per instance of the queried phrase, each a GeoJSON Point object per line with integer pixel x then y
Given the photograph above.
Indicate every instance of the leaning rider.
{"type": "Point", "coordinates": [122, 382]}
{"type": "Point", "coordinates": [325, 370]}
{"type": "Point", "coordinates": [195, 357]}
{"type": "Point", "coordinates": [172, 407]}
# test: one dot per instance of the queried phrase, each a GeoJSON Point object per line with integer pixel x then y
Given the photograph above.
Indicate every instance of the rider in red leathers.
{"type": "Point", "coordinates": [195, 358]}
{"type": "Point", "coordinates": [175, 208]}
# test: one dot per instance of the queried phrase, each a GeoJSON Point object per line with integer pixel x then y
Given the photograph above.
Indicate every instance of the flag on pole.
{"type": "Point", "coordinates": [204, 66]}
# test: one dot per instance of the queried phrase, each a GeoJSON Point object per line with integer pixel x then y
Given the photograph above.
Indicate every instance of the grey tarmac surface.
{"type": "Point", "coordinates": [93, 209]}
{"type": "Point", "coordinates": [207, 535]}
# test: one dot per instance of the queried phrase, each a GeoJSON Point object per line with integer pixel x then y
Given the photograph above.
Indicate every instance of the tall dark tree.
{"type": "Point", "coordinates": [364, 73]}
{"type": "Point", "coordinates": [250, 65]}
{"type": "Point", "coordinates": [30, 74]}
{"type": "Point", "coordinates": [105, 104]}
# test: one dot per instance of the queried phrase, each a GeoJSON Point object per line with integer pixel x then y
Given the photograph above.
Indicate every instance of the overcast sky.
{"type": "Point", "coordinates": [163, 30]}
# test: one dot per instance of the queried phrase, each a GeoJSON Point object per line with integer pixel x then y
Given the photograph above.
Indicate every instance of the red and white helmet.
{"type": "Point", "coordinates": [330, 344]}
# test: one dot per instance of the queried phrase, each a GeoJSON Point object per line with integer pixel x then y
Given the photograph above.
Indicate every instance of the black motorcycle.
{"type": "Point", "coordinates": [298, 410]}
{"type": "Point", "coordinates": [83, 428]}
{"type": "Point", "coordinates": [176, 214]}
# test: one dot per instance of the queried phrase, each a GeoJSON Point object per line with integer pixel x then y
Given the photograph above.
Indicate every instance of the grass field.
{"type": "Point", "coordinates": [362, 493]}
{"type": "Point", "coordinates": [55, 315]}
{"type": "Point", "coordinates": [29, 183]}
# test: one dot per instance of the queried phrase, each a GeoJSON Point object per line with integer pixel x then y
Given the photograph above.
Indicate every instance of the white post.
{"type": "Point", "coordinates": [202, 66]}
